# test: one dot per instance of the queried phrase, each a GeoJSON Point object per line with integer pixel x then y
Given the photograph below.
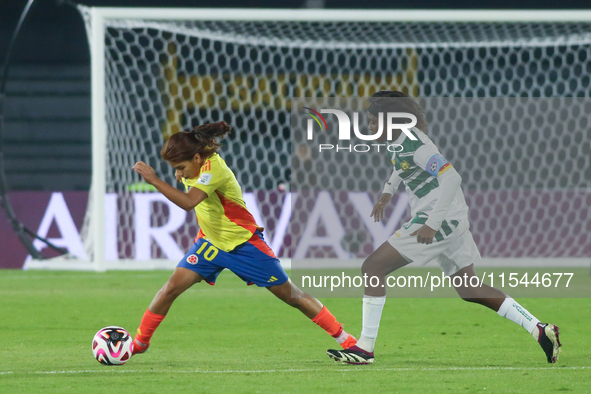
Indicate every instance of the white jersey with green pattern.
{"type": "Point", "coordinates": [418, 165]}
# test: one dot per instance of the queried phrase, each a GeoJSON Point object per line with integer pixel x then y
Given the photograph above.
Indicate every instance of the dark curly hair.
{"type": "Point", "coordinates": [382, 102]}
{"type": "Point", "coordinates": [202, 140]}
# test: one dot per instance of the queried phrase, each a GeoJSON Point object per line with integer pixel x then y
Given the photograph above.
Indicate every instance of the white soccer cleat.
{"type": "Point", "coordinates": [549, 341]}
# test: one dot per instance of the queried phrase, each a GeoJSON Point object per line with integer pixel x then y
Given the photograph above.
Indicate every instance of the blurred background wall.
{"type": "Point", "coordinates": [47, 134]}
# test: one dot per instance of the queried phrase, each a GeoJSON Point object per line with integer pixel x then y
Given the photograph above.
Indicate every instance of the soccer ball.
{"type": "Point", "coordinates": [112, 345]}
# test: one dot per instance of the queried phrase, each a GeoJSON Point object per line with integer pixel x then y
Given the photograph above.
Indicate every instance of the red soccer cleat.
{"type": "Point", "coordinates": [139, 348]}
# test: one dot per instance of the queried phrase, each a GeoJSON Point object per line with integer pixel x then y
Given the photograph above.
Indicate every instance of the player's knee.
{"type": "Point", "coordinates": [470, 299]}
{"type": "Point", "coordinates": [367, 267]}
{"type": "Point", "coordinates": [171, 290]}
{"type": "Point", "coordinates": [469, 294]}
{"type": "Point", "coordinates": [372, 267]}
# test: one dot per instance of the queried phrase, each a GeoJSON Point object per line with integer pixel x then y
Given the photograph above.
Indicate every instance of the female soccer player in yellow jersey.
{"type": "Point", "coordinates": [228, 237]}
{"type": "Point", "coordinates": [439, 229]}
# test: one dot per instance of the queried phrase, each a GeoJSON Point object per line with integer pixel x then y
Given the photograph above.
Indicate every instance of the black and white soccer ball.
{"type": "Point", "coordinates": [112, 346]}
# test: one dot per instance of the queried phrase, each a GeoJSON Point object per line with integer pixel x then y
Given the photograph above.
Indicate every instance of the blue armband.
{"type": "Point", "coordinates": [437, 165]}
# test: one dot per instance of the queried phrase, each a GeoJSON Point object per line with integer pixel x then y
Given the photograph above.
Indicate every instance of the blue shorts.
{"type": "Point", "coordinates": [253, 261]}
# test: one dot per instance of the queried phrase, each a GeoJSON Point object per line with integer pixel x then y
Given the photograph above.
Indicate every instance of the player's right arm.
{"type": "Point", "coordinates": [186, 201]}
{"type": "Point", "coordinates": [389, 188]}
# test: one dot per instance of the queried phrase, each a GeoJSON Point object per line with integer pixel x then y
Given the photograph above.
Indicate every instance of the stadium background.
{"type": "Point", "coordinates": [48, 110]}
{"type": "Point", "coordinates": [241, 338]}
{"type": "Point", "coordinates": [48, 107]}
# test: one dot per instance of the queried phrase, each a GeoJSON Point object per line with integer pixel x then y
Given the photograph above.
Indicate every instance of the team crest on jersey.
{"type": "Point", "coordinates": [192, 259]}
{"type": "Point", "coordinates": [204, 179]}
{"type": "Point", "coordinates": [404, 165]}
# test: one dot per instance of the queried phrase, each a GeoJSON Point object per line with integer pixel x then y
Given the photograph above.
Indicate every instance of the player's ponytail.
{"type": "Point", "coordinates": [202, 140]}
{"type": "Point", "coordinates": [395, 101]}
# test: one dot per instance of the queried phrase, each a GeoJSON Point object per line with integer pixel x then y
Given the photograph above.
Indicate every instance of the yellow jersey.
{"type": "Point", "coordinates": [223, 217]}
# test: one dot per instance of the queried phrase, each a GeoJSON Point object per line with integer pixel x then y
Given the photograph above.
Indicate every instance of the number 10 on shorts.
{"type": "Point", "coordinates": [210, 253]}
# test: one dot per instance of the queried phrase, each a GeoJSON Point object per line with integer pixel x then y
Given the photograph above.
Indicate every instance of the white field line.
{"type": "Point", "coordinates": [231, 371]}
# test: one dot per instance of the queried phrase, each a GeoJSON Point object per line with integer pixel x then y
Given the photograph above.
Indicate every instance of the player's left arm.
{"type": "Point", "coordinates": [186, 201]}
{"type": "Point", "coordinates": [449, 182]}
{"type": "Point", "coordinates": [389, 188]}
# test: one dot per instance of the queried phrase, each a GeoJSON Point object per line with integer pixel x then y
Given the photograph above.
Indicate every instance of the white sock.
{"type": "Point", "coordinates": [519, 315]}
{"type": "Point", "coordinates": [372, 313]}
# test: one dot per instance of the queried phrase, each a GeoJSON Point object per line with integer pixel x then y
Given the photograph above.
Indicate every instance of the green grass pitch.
{"type": "Point", "coordinates": [234, 338]}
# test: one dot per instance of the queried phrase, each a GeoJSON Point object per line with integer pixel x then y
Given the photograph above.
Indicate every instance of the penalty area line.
{"type": "Point", "coordinates": [236, 371]}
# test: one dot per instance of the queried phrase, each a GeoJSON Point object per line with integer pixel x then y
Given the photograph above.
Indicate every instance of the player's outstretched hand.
{"type": "Point", "coordinates": [378, 211]}
{"type": "Point", "coordinates": [145, 171]}
{"type": "Point", "coordinates": [424, 235]}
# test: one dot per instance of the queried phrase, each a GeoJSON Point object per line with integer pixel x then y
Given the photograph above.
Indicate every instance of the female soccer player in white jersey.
{"type": "Point", "coordinates": [439, 229]}
{"type": "Point", "coordinates": [228, 237]}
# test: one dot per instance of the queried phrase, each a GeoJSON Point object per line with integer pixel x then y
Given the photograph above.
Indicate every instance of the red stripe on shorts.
{"type": "Point", "coordinates": [258, 243]}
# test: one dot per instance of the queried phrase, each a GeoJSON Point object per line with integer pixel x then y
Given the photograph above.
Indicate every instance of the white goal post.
{"type": "Point", "coordinates": [165, 71]}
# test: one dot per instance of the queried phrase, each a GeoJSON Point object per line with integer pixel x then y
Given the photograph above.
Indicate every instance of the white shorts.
{"type": "Point", "coordinates": [453, 246]}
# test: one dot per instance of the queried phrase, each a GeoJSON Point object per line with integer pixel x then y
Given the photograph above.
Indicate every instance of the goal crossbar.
{"type": "Point", "coordinates": [99, 18]}
{"type": "Point", "coordinates": [342, 15]}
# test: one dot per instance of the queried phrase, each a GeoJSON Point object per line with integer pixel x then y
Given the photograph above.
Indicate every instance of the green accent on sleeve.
{"type": "Point", "coordinates": [416, 220]}
{"type": "Point", "coordinates": [141, 187]}
{"type": "Point", "coordinates": [438, 236]}
{"type": "Point", "coordinates": [445, 227]}
{"type": "Point", "coordinates": [419, 220]}
{"type": "Point", "coordinates": [455, 223]}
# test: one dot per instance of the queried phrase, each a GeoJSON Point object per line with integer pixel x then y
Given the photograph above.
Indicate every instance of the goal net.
{"type": "Point", "coordinates": [159, 71]}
